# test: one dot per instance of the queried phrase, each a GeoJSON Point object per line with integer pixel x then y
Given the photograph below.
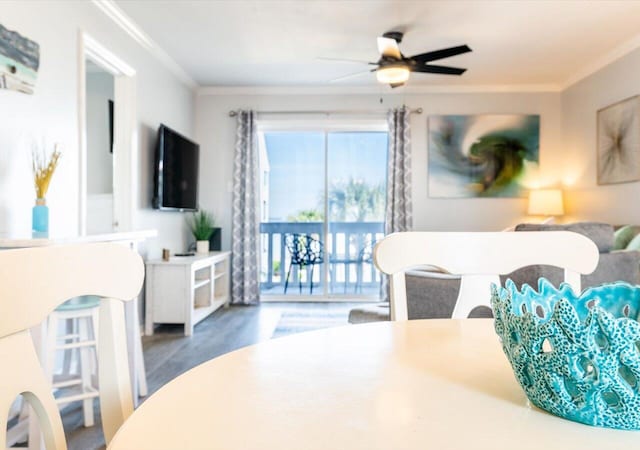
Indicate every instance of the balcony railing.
{"type": "Point", "coordinates": [347, 254]}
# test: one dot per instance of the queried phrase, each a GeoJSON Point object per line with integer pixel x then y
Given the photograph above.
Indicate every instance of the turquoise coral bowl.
{"type": "Point", "coordinates": [575, 356]}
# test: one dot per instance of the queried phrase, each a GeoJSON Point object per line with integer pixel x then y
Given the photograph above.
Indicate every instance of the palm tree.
{"type": "Point", "coordinates": [306, 215]}
{"type": "Point", "coordinates": [356, 201]}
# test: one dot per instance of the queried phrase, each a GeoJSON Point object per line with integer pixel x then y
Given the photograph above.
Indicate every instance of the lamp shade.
{"type": "Point", "coordinates": [546, 202]}
{"type": "Point", "coordinates": [393, 74]}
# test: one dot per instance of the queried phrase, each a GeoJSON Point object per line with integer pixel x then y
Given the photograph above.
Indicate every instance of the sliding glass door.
{"type": "Point", "coordinates": [293, 166]}
{"type": "Point", "coordinates": [356, 176]}
{"type": "Point", "coordinates": [322, 209]}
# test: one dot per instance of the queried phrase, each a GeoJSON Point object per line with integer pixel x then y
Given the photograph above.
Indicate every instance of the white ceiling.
{"type": "Point", "coordinates": [276, 43]}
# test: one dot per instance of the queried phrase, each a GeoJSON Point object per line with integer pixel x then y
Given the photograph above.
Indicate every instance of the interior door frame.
{"type": "Point", "coordinates": [125, 135]}
{"type": "Point", "coordinates": [322, 125]}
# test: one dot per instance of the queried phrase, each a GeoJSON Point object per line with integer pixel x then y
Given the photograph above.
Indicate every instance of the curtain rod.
{"type": "Point", "coordinates": [234, 113]}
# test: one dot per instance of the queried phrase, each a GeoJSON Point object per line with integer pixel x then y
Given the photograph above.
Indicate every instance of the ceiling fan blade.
{"type": "Point", "coordinates": [440, 54]}
{"type": "Point", "coordinates": [388, 47]}
{"type": "Point", "coordinates": [351, 75]}
{"type": "Point", "coordinates": [427, 68]}
{"type": "Point", "coordinates": [347, 60]}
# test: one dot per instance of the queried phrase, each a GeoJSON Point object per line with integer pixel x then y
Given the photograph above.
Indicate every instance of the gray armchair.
{"type": "Point", "coordinates": [432, 295]}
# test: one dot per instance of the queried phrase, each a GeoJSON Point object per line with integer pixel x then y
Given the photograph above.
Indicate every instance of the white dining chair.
{"type": "Point", "coordinates": [479, 258]}
{"type": "Point", "coordinates": [33, 282]}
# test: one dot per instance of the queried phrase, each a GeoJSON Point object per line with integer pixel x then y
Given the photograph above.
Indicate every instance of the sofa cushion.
{"type": "Point", "coordinates": [615, 266]}
{"type": "Point", "coordinates": [634, 244]}
{"type": "Point", "coordinates": [600, 233]}
{"type": "Point", "coordinates": [623, 236]}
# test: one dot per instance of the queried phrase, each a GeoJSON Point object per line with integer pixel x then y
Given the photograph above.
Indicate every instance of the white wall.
{"type": "Point", "coordinates": [52, 112]}
{"type": "Point", "coordinates": [586, 200]}
{"type": "Point", "coordinates": [215, 131]}
{"type": "Point", "coordinates": [99, 156]}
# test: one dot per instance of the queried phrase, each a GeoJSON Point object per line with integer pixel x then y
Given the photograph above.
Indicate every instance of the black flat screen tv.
{"type": "Point", "coordinates": [175, 172]}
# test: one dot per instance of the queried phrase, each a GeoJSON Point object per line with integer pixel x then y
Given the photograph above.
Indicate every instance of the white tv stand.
{"type": "Point", "coordinates": [186, 289]}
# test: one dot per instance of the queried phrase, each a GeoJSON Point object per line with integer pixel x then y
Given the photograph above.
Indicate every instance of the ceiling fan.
{"type": "Point", "coordinates": [393, 68]}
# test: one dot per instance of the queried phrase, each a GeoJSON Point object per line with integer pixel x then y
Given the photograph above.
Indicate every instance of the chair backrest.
{"type": "Point", "coordinates": [33, 282]}
{"type": "Point", "coordinates": [480, 258]}
{"type": "Point", "coordinates": [304, 249]}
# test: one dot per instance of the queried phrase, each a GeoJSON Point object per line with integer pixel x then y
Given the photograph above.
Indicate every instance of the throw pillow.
{"type": "Point", "coordinates": [634, 244]}
{"type": "Point", "coordinates": [623, 236]}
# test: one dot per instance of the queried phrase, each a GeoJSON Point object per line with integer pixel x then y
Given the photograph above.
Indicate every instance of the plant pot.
{"type": "Point", "coordinates": [202, 246]}
{"type": "Point", "coordinates": [215, 241]}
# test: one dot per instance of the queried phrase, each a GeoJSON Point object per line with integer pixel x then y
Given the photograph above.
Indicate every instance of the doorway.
{"type": "Point", "coordinates": [107, 140]}
{"type": "Point", "coordinates": [99, 112]}
{"type": "Point", "coordinates": [322, 210]}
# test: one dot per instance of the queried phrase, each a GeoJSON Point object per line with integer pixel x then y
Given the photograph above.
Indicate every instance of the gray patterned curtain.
{"type": "Point", "coordinates": [399, 215]}
{"type": "Point", "coordinates": [245, 289]}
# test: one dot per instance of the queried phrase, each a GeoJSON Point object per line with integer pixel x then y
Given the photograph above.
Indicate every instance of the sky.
{"type": "Point", "coordinates": [297, 164]}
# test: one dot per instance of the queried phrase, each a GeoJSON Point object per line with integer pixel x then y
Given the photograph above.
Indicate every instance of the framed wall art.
{"type": "Point", "coordinates": [618, 152]}
{"type": "Point", "coordinates": [19, 61]}
{"type": "Point", "coordinates": [485, 155]}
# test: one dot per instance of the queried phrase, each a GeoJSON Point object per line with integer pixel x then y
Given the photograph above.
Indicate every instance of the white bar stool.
{"type": "Point", "coordinates": [80, 318]}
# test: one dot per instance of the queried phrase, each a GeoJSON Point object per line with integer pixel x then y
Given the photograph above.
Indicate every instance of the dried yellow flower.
{"type": "Point", "coordinates": [43, 169]}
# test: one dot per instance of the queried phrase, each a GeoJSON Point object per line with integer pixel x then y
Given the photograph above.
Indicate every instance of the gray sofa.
{"type": "Point", "coordinates": [613, 265]}
{"type": "Point", "coordinates": [432, 295]}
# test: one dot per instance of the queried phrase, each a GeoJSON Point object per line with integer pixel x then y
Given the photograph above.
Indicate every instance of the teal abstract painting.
{"type": "Point", "coordinates": [485, 155]}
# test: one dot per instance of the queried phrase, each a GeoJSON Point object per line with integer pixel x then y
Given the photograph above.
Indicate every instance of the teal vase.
{"type": "Point", "coordinates": [40, 218]}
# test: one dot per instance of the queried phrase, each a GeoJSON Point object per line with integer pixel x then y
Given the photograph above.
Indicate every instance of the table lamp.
{"type": "Point", "coordinates": [546, 202]}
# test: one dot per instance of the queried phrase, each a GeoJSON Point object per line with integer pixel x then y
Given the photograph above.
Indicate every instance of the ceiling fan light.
{"type": "Point", "coordinates": [393, 74]}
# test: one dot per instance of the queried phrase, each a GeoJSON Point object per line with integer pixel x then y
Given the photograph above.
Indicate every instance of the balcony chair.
{"type": "Point", "coordinates": [305, 251]}
{"type": "Point", "coordinates": [479, 258]}
{"type": "Point", "coordinates": [33, 282]}
{"type": "Point", "coordinates": [364, 256]}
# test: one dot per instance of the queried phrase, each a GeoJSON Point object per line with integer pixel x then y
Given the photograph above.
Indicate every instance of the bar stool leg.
{"type": "Point", "coordinates": [67, 357]}
{"type": "Point", "coordinates": [85, 369]}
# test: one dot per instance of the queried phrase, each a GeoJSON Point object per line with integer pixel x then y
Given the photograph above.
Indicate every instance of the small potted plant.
{"type": "Point", "coordinates": [202, 225]}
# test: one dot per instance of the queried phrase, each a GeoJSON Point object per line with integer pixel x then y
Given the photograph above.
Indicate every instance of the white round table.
{"type": "Point", "coordinates": [425, 384]}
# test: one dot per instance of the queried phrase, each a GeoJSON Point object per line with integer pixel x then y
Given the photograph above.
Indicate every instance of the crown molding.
{"type": "Point", "coordinates": [377, 90]}
{"type": "Point", "coordinates": [606, 59]}
{"type": "Point", "coordinates": [129, 26]}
